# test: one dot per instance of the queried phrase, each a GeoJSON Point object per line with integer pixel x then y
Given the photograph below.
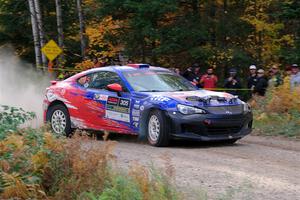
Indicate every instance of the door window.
{"type": "Point", "coordinates": [100, 80]}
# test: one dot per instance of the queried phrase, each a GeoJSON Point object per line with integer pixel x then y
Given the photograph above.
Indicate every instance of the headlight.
{"type": "Point", "coordinates": [247, 108]}
{"type": "Point", "coordinates": [188, 110]}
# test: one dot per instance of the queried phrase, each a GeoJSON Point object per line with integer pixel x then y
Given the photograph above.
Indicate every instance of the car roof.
{"type": "Point", "coordinates": [126, 68]}
{"type": "Point", "coordinates": [117, 69]}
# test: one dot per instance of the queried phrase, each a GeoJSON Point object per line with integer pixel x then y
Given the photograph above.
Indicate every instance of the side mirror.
{"type": "Point", "coordinates": [115, 87]}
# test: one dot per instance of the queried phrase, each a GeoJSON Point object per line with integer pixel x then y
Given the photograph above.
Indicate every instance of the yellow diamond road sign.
{"type": "Point", "coordinates": [51, 50]}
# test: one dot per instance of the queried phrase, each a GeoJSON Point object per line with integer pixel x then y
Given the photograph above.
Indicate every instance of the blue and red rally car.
{"type": "Point", "coordinates": [146, 101]}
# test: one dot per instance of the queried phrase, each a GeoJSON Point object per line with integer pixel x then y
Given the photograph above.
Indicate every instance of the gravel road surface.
{"type": "Point", "coordinates": [253, 168]}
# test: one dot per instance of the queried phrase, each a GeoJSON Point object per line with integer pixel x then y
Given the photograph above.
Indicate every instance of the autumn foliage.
{"type": "Point", "coordinates": [35, 164]}
{"type": "Point", "coordinates": [279, 112]}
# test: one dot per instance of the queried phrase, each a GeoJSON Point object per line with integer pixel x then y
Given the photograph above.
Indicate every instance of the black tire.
{"type": "Point", "coordinates": [62, 109]}
{"type": "Point", "coordinates": [163, 138]}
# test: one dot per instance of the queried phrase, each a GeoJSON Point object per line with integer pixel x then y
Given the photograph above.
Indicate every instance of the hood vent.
{"type": "Point", "coordinates": [208, 99]}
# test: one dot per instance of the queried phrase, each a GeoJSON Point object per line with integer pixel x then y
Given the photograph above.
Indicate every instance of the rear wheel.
{"type": "Point", "coordinates": [157, 129]}
{"type": "Point", "coordinates": [59, 119]}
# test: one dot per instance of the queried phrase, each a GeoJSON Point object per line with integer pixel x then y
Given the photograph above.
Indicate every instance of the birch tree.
{"type": "Point", "coordinates": [82, 28]}
{"type": "Point", "coordinates": [40, 28]}
{"type": "Point", "coordinates": [35, 33]}
{"type": "Point", "coordinates": [59, 27]}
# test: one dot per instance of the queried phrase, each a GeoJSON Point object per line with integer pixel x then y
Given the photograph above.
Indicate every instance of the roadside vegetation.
{"type": "Point", "coordinates": [35, 164]}
{"type": "Point", "coordinates": [278, 113]}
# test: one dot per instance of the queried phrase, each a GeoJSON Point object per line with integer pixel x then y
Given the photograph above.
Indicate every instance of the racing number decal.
{"type": "Point", "coordinates": [124, 103]}
{"type": "Point", "coordinates": [118, 109]}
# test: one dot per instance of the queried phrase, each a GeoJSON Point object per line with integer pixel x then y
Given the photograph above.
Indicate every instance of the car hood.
{"type": "Point", "coordinates": [197, 98]}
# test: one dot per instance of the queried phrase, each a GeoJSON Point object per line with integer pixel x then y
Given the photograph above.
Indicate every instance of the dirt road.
{"type": "Point", "coordinates": [254, 168]}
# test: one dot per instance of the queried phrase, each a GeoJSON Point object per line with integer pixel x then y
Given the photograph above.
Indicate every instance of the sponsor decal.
{"type": "Point", "coordinates": [136, 106]}
{"type": "Point", "coordinates": [159, 98]}
{"type": "Point", "coordinates": [118, 109]}
{"type": "Point", "coordinates": [117, 116]}
{"type": "Point", "coordinates": [135, 113]}
{"type": "Point", "coordinates": [112, 101]}
{"type": "Point", "coordinates": [136, 119]}
{"type": "Point", "coordinates": [51, 96]}
{"type": "Point", "coordinates": [100, 97]}
{"type": "Point", "coordinates": [136, 124]}
{"type": "Point", "coordinates": [125, 103]}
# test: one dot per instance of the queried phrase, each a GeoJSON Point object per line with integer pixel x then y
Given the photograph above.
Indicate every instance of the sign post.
{"type": "Point", "coordinates": [51, 50]}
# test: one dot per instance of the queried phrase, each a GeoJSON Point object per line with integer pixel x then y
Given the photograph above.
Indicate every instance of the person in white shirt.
{"type": "Point", "coordinates": [295, 78]}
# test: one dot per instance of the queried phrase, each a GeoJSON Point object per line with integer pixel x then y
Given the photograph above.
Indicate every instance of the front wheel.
{"type": "Point", "coordinates": [59, 119]}
{"type": "Point", "coordinates": [157, 129]}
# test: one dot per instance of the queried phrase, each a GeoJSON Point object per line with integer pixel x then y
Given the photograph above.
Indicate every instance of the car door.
{"type": "Point", "coordinates": [107, 110]}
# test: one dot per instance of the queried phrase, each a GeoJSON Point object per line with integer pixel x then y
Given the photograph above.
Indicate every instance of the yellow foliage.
{"type": "Point", "coordinates": [98, 44]}
{"type": "Point", "coordinates": [284, 99]}
{"type": "Point", "coordinates": [266, 41]}
{"type": "Point", "coordinates": [4, 165]}
{"type": "Point", "coordinates": [39, 160]}
{"type": "Point", "coordinates": [51, 143]}
{"type": "Point", "coordinates": [14, 187]}
{"type": "Point", "coordinates": [87, 64]}
{"type": "Point", "coordinates": [15, 140]}
{"type": "Point", "coordinates": [141, 175]}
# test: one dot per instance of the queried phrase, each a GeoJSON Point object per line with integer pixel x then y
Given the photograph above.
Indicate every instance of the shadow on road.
{"type": "Point", "coordinates": [186, 144]}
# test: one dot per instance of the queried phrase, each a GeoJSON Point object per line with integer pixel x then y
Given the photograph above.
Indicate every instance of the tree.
{"type": "Point", "coordinates": [82, 28]}
{"type": "Point", "coordinates": [59, 28]}
{"type": "Point", "coordinates": [35, 32]}
{"type": "Point", "coordinates": [40, 28]}
{"type": "Point", "coordinates": [266, 41]}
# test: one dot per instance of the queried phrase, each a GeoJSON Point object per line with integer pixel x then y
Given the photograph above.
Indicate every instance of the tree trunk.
{"type": "Point", "coordinates": [41, 29]}
{"type": "Point", "coordinates": [59, 29]}
{"type": "Point", "coordinates": [35, 33]}
{"type": "Point", "coordinates": [82, 28]}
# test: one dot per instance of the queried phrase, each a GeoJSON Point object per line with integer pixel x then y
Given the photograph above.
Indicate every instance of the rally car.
{"type": "Point", "coordinates": [148, 101]}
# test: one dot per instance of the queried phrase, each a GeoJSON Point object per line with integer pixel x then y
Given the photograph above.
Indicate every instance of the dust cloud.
{"type": "Point", "coordinates": [21, 85]}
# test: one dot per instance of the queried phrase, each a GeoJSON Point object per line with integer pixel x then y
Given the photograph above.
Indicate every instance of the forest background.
{"type": "Point", "coordinates": [169, 33]}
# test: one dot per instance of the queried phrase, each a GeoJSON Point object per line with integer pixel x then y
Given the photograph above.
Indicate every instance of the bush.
{"type": "Point", "coordinates": [279, 112]}
{"type": "Point", "coordinates": [11, 118]}
{"type": "Point", "coordinates": [36, 164]}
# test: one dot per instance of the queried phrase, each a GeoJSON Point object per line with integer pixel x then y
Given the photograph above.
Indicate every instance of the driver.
{"type": "Point", "coordinates": [84, 81]}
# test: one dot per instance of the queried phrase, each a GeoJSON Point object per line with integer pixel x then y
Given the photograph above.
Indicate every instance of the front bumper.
{"type": "Point", "coordinates": [210, 127]}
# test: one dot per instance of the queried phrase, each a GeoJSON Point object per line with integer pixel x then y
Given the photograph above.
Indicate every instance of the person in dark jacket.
{"type": "Point", "coordinates": [190, 75]}
{"type": "Point", "coordinates": [262, 83]}
{"type": "Point", "coordinates": [233, 82]}
{"type": "Point", "coordinates": [252, 79]}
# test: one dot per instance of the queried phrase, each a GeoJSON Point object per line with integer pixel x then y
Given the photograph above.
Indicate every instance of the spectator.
{"type": "Point", "coordinates": [233, 82]}
{"type": "Point", "coordinates": [295, 78]}
{"type": "Point", "coordinates": [177, 71]}
{"type": "Point", "coordinates": [275, 77]}
{"type": "Point", "coordinates": [209, 80]}
{"type": "Point", "coordinates": [196, 68]}
{"type": "Point", "coordinates": [262, 83]}
{"type": "Point", "coordinates": [190, 75]}
{"type": "Point", "coordinates": [252, 79]}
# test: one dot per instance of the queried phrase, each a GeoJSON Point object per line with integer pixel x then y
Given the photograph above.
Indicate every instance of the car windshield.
{"type": "Point", "coordinates": [157, 81]}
